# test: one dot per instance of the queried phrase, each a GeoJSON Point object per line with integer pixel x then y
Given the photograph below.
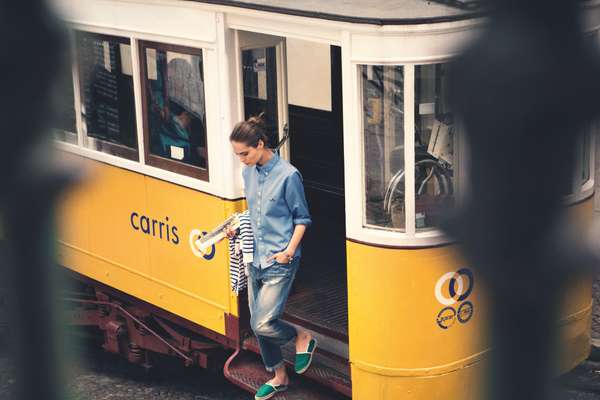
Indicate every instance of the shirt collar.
{"type": "Point", "coordinates": [269, 165]}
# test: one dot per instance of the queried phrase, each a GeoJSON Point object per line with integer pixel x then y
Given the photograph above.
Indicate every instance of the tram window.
{"type": "Point", "coordinates": [582, 171]}
{"type": "Point", "coordinates": [174, 109]}
{"type": "Point", "coordinates": [260, 87]}
{"type": "Point", "coordinates": [383, 126]}
{"type": "Point", "coordinates": [107, 97]}
{"type": "Point", "coordinates": [63, 120]}
{"type": "Point", "coordinates": [584, 165]}
{"type": "Point", "coordinates": [434, 145]}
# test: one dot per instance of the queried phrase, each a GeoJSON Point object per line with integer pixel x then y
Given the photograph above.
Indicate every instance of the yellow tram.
{"type": "Point", "coordinates": [156, 88]}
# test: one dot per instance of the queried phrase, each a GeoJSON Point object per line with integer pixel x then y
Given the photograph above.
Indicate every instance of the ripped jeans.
{"type": "Point", "coordinates": [268, 291]}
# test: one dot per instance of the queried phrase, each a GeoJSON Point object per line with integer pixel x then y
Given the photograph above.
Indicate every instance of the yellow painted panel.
{"type": "Point", "coordinates": [172, 259]}
{"type": "Point", "coordinates": [574, 339]}
{"type": "Point", "coordinates": [75, 259]}
{"type": "Point", "coordinates": [73, 215]}
{"type": "Point", "coordinates": [399, 346]}
{"type": "Point", "coordinates": [579, 292]}
{"type": "Point", "coordinates": [148, 289]}
{"type": "Point", "coordinates": [581, 213]}
{"type": "Point", "coordinates": [576, 302]}
{"type": "Point", "coordinates": [111, 231]}
{"type": "Point", "coordinates": [464, 384]}
{"type": "Point", "coordinates": [577, 296]}
{"type": "Point", "coordinates": [113, 194]}
{"type": "Point", "coordinates": [394, 311]}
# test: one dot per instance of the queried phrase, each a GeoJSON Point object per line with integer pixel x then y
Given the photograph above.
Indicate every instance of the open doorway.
{"type": "Point", "coordinates": [299, 82]}
{"type": "Point", "coordinates": [319, 301]}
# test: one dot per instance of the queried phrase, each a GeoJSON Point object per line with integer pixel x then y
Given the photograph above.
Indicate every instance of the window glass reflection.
{"type": "Point", "coordinates": [383, 126]}
{"type": "Point", "coordinates": [64, 117]}
{"type": "Point", "coordinates": [106, 79]}
{"type": "Point", "coordinates": [585, 158]}
{"type": "Point", "coordinates": [175, 106]}
{"type": "Point", "coordinates": [581, 172]}
{"type": "Point", "coordinates": [259, 68]}
{"type": "Point", "coordinates": [582, 160]}
{"type": "Point", "coordinates": [434, 145]}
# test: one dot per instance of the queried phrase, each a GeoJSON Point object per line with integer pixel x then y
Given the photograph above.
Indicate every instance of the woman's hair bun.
{"type": "Point", "coordinates": [251, 131]}
{"type": "Point", "coordinates": [258, 119]}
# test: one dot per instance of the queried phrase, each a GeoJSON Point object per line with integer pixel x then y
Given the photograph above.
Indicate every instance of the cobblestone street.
{"type": "Point", "coordinates": [103, 376]}
{"type": "Point", "coordinates": [596, 310]}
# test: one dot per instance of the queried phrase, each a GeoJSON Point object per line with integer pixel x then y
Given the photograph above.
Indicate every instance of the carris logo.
{"type": "Point", "coordinates": [166, 230]}
{"type": "Point", "coordinates": [458, 289]}
{"type": "Point", "coordinates": [452, 288]}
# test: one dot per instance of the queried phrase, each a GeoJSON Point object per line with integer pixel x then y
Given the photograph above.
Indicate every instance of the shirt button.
{"type": "Point", "coordinates": [266, 173]}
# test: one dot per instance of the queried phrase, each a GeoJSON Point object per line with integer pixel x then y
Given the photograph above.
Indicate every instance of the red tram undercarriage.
{"type": "Point", "coordinates": [133, 328]}
{"type": "Point", "coordinates": [136, 330]}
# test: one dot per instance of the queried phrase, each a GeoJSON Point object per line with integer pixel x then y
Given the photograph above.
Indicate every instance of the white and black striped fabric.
{"type": "Point", "coordinates": [241, 254]}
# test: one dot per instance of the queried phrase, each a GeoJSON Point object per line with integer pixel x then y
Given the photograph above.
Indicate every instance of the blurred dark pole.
{"type": "Point", "coordinates": [524, 89]}
{"type": "Point", "coordinates": [32, 53]}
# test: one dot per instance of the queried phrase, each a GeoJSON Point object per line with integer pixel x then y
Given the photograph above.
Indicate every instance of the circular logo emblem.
{"type": "Point", "coordinates": [446, 318]}
{"type": "Point", "coordinates": [458, 286]}
{"type": "Point", "coordinates": [465, 312]}
{"type": "Point", "coordinates": [194, 235]}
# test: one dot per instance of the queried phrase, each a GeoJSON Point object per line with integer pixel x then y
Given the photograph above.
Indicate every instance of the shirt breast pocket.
{"type": "Point", "coordinates": [276, 207]}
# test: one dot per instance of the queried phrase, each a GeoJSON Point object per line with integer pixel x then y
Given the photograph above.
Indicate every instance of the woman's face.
{"type": "Point", "coordinates": [248, 155]}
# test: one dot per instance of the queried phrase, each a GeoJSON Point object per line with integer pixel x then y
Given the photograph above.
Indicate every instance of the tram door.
{"type": "Point", "coordinates": [299, 82]}
{"type": "Point", "coordinates": [317, 150]}
{"type": "Point", "coordinates": [263, 81]}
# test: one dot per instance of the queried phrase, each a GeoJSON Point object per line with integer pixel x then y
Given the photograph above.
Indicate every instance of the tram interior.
{"type": "Point", "coordinates": [318, 300]}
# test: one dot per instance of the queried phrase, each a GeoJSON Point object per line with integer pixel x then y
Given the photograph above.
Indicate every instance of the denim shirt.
{"type": "Point", "coordinates": [276, 202]}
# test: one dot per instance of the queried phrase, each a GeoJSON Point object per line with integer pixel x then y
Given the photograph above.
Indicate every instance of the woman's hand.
{"type": "Point", "coordinates": [229, 232]}
{"type": "Point", "coordinates": [283, 257]}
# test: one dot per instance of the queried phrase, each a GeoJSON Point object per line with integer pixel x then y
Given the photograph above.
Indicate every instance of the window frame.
{"type": "Point", "coordinates": [410, 236]}
{"type": "Point", "coordinates": [584, 190]}
{"type": "Point", "coordinates": [581, 191]}
{"type": "Point", "coordinates": [74, 74]}
{"type": "Point", "coordinates": [152, 159]}
{"type": "Point", "coordinates": [90, 142]}
{"type": "Point", "coordinates": [456, 157]}
{"type": "Point", "coordinates": [365, 224]}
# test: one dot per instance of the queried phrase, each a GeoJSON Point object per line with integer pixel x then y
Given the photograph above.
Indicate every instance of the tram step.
{"type": "Point", "coordinates": [247, 371]}
{"type": "Point", "coordinates": [328, 370]}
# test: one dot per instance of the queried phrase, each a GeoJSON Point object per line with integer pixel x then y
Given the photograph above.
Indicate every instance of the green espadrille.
{"type": "Point", "coordinates": [267, 391]}
{"type": "Point", "coordinates": [303, 360]}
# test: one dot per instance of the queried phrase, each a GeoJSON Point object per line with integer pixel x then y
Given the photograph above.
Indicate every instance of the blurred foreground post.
{"type": "Point", "coordinates": [524, 89]}
{"type": "Point", "coordinates": [31, 51]}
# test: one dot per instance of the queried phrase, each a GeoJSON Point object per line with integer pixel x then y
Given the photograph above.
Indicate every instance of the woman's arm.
{"type": "Point", "coordinates": [296, 201]}
{"type": "Point", "coordinates": [286, 256]}
{"type": "Point", "coordinates": [296, 239]}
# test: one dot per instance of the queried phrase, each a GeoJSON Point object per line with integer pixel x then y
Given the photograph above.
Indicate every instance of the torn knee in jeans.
{"type": "Point", "coordinates": [262, 327]}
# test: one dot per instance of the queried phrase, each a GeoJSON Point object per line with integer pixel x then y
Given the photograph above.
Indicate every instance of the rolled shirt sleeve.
{"type": "Point", "coordinates": [296, 200]}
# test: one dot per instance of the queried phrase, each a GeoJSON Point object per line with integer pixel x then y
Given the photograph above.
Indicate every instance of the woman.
{"type": "Point", "coordinates": [279, 217]}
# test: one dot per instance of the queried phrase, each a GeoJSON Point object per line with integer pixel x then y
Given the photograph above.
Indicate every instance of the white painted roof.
{"type": "Point", "coordinates": [381, 12]}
